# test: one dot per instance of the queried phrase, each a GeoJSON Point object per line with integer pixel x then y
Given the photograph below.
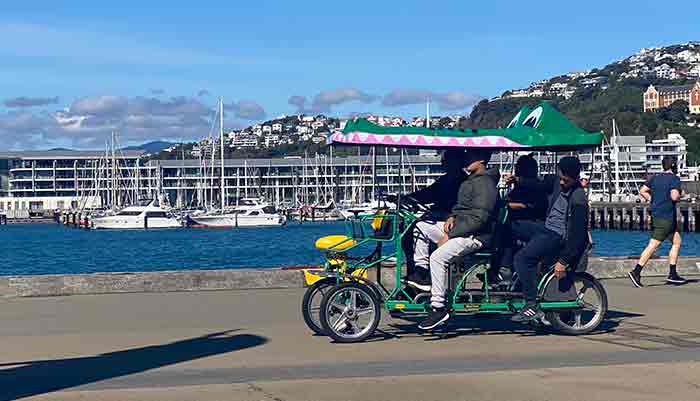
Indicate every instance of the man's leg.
{"type": "Point", "coordinates": [673, 277]}
{"type": "Point", "coordinates": [425, 234]}
{"type": "Point", "coordinates": [660, 232]}
{"type": "Point", "coordinates": [439, 263]}
{"type": "Point", "coordinates": [542, 245]}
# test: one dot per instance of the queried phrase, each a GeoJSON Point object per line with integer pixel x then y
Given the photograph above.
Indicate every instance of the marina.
{"type": "Point", "coordinates": [54, 249]}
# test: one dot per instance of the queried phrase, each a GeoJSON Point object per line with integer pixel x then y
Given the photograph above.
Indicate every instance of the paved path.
{"type": "Point", "coordinates": [253, 345]}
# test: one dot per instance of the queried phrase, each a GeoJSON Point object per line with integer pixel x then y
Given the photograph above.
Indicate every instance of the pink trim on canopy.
{"type": "Point", "coordinates": [364, 138]}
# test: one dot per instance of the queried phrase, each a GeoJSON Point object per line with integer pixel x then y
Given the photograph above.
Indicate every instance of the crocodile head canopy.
{"type": "Point", "coordinates": [542, 128]}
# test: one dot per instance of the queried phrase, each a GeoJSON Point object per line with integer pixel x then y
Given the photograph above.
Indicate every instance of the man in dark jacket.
{"type": "Point", "coordinates": [468, 229]}
{"type": "Point", "coordinates": [564, 234]}
{"type": "Point", "coordinates": [442, 196]}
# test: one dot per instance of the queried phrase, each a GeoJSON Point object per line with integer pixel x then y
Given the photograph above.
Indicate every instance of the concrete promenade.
{"type": "Point", "coordinates": [253, 345]}
{"type": "Point", "coordinates": [242, 279]}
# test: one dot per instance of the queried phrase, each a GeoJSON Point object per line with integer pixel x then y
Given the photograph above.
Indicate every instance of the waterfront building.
{"type": "Point", "coordinates": [57, 179]}
{"type": "Point", "coordinates": [664, 96]}
{"type": "Point", "coordinates": [65, 179]}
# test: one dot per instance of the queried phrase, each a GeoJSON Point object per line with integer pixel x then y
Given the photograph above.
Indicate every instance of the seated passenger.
{"type": "Point", "coordinates": [468, 229]}
{"type": "Point", "coordinates": [563, 236]}
{"type": "Point", "coordinates": [442, 194]}
{"type": "Point", "coordinates": [523, 205]}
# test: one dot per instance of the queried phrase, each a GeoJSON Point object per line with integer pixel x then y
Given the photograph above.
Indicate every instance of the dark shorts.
{"type": "Point", "coordinates": [663, 229]}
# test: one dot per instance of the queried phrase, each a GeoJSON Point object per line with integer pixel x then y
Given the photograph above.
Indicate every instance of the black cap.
{"type": "Point", "coordinates": [570, 166]}
{"type": "Point", "coordinates": [475, 154]}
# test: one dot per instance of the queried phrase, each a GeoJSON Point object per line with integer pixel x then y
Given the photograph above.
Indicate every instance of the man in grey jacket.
{"type": "Point", "coordinates": [468, 228]}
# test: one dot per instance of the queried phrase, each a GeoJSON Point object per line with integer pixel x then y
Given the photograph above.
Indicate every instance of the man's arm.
{"type": "Point", "coordinates": [578, 232]}
{"type": "Point", "coordinates": [430, 193]}
{"type": "Point", "coordinates": [676, 192]}
{"type": "Point", "coordinates": [544, 184]}
{"type": "Point", "coordinates": [645, 192]}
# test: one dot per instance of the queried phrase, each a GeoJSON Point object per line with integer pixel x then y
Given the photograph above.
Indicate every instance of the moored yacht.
{"type": "Point", "coordinates": [249, 212]}
{"type": "Point", "coordinates": [147, 214]}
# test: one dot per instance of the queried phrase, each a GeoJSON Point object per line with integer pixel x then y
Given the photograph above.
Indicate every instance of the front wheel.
{"type": "Point", "coordinates": [593, 300]}
{"type": "Point", "coordinates": [311, 304]}
{"type": "Point", "coordinates": [350, 312]}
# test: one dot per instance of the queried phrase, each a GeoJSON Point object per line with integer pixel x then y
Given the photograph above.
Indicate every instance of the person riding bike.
{"type": "Point", "coordinates": [563, 236]}
{"type": "Point", "coordinates": [468, 228]}
{"type": "Point", "coordinates": [523, 205]}
{"type": "Point", "coordinates": [442, 196]}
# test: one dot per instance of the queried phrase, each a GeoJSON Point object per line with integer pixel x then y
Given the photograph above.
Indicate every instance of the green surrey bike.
{"type": "Point", "coordinates": [345, 304]}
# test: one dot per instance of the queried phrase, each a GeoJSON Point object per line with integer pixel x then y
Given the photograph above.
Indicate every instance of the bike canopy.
{"type": "Point", "coordinates": [542, 128]}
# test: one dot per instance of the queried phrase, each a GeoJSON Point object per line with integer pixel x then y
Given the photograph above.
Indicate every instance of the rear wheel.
{"type": "Point", "coordinates": [593, 300]}
{"type": "Point", "coordinates": [311, 304]}
{"type": "Point", "coordinates": [350, 312]}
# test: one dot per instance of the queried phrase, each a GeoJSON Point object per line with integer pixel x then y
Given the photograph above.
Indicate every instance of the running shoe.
{"type": "Point", "coordinates": [435, 318]}
{"type": "Point", "coordinates": [419, 279]}
{"type": "Point", "coordinates": [674, 278]}
{"type": "Point", "coordinates": [531, 311]}
{"type": "Point", "coordinates": [636, 278]}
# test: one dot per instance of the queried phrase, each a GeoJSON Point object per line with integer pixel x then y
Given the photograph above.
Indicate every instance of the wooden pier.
{"type": "Point", "coordinates": [637, 216]}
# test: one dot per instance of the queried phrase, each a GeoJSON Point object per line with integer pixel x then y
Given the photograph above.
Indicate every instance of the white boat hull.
{"type": "Point", "coordinates": [120, 223]}
{"type": "Point", "coordinates": [239, 220]}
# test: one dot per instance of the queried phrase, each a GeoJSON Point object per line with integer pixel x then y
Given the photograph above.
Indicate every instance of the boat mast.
{"type": "Point", "coordinates": [616, 150]}
{"type": "Point", "coordinates": [115, 201]}
{"type": "Point", "coordinates": [221, 129]}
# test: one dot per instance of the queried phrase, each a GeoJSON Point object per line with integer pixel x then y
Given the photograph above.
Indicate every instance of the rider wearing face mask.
{"type": "Point", "coordinates": [442, 196]}
{"type": "Point", "coordinates": [468, 229]}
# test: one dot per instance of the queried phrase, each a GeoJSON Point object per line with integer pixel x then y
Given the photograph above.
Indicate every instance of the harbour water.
{"type": "Point", "coordinates": [54, 249]}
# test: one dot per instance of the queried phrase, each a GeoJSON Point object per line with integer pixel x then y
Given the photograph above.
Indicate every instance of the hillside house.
{"type": "Point", "coordinates": [663, 96]}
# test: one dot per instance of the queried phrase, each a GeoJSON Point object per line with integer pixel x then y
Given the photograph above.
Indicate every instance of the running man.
{"type": "Point", "coordinates": [664, 191]}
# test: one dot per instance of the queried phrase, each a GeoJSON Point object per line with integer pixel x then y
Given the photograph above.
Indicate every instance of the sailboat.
{"type": "Point", "coordinates": [248, 212]}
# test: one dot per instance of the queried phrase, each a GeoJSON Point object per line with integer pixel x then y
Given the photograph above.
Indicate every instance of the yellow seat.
{"type": "Point", "coordinates": [335, 242]}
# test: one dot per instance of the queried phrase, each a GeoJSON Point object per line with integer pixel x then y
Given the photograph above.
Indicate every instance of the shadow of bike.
{"type": "Point", "coordinates": [29, 378]}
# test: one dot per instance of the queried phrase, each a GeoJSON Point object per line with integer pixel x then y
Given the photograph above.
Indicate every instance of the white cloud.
{"type": "Point", "coordinates": [453, 101]}
{"type": "Point", "coordinates": [324, 101]}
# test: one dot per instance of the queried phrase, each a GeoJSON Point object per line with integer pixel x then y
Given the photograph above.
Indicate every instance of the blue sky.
{"type": "Point", "coordinates": [257, 55]}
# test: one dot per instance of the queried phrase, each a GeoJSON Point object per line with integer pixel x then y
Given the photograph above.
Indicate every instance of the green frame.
{"type": "Point", "coordinates": [390, 297]}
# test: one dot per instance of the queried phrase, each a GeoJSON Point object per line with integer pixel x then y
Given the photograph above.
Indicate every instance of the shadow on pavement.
{"type": "Point", "coordinates": [41, 377]}
{"type": "Point", "coordinates": [487, 325]}
{"type": "Point", "coordinates": [688, 281]}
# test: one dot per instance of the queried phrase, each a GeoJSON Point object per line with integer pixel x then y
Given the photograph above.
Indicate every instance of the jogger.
{"type": "Point", "coordinates": [664, 191]}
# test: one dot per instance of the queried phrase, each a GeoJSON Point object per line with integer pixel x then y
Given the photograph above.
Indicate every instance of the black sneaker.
{"type": "Point", "coordinates": [531, 311]}
{"type": "Point", "coordinates": [419, 279]}
{"type": "Point", "coordinates": [636, 278]}
{"type": "Point", "coordinates": [674, 278]}
{"type": "Point", "coordinates": [436, 317]}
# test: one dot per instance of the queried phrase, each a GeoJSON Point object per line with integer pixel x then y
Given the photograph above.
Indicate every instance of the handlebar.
{"type": "Point", "coordinates": [408, 202]}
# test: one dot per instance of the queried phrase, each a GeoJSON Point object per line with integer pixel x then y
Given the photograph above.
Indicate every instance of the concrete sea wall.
{"type": "Point", "coordinates": [248, 279]}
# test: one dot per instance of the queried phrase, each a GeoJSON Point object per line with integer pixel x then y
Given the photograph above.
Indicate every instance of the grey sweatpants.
{"type": "Point", "coordinates": [426, 233]}
{"type": "Point", "coordinates": [439, 264]}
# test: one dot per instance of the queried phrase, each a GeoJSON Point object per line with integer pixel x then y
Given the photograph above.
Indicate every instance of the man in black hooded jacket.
{"type": "Point", "coordinates": [563, 236]}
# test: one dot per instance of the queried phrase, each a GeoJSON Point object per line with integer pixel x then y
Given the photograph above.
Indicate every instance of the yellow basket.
{"type": "Point", "coordinates": [312, 275]}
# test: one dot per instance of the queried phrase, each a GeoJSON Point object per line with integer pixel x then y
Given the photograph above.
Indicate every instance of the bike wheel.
{"type": "Point", "coordinates": [311, 304]}
{"type": "Point", "coordinates": [350, 312]}
{"type": "Point", "coordinates": [594, 305]}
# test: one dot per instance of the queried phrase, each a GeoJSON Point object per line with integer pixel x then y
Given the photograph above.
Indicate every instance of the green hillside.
{"type": "Point", "coordinates": [595, 108]}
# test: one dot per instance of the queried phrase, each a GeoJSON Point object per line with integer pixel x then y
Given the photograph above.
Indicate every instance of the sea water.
{"type": "Point", "coordinates": [56, 249]}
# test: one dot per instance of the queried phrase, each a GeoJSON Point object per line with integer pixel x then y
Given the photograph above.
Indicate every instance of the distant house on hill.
{"type": "Point", "coordinates": [663, 96]}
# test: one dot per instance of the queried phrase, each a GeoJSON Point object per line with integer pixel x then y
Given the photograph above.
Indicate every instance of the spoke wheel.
{"type": "Point", "coordinates": [593, 302]}
{"type": "Point", "coordinates": [311, 304]}
{"type": "Point", "coordinates": [350, 312]}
